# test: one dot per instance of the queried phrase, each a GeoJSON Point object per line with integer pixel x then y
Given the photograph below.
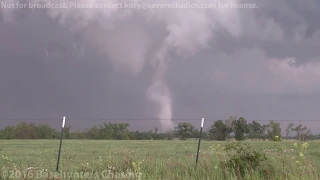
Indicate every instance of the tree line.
{"type": "Point", "coordinates": [220, 130]}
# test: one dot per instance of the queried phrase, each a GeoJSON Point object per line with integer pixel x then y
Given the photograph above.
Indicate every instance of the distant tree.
{"type": "Point", "coordinates": [124, 131]}
{"type": "Point", "coordinates": [44, 131]}
{"type": "Point", "coordinates": [137, 135]}
{"type": "Point", "coordinates": [204, 135]}
{"type": "Point", "coordinates": [241, 128]}
{"type": "Point", "coordinates": [288, 130]}
{"type": "Point", "coordinates": [96, 132]}
{"type": "Point", "coordinates": [66, 133]}
{"type": "Point", "coordinates": [298, 129]}
{"type": "Point", "coordinates": [116, 131]}
{"type": "Point", "coordinates": [156, 130]}
{"type": "Point", "coordinates": [155, 135]}
{"type": "Point", "coordinates": [306, 133]}
{"type": "Point", "coordinates": [56, 134]}
{"type": "Point", "coordinates": [184, 130]}
{"type": "Point", "coordinates": [273, 129]}
{"type": "Point", "coordinates": [149, 134]}
{"type": "Point", "coordinates": [24, 130]}
{"type": "Point", "coordinates": [218, 131]}
{"type": "Point", "coordinates": [196, 134]}
{"type": "Point", "coordinates": [255, 129]}
{"type": "Point", "coordinates": [79, 135]}
{"type": "Point", "coordinates": [262, 132]}
{"type": "Point", "coordinates": [170, 135]}
{"type": "Point", "coordinates": [302, 132]}
{"type": "Point", "coordinates": [7, 132]}
{"type": "Point", "coordinates": [207, 135]}
{"type": "Point", "coordinates": [229, 123]}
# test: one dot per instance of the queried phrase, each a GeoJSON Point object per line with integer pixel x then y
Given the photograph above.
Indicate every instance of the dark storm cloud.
{"type": "Point", "coordinates": [161, 63]}
{"type": "Point", "coordinates": [279, 28]}
{"type": "Point", "coordinates": [42, 75]}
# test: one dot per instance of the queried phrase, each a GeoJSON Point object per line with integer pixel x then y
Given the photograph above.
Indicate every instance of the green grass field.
{"type": "Point", "coordinates": [102, 159]}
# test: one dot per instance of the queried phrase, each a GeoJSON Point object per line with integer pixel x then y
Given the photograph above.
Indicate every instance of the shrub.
{"type": "Point", "coordinates": [242, 158]}
{"type": "Point", "coordinates": [277, 138]}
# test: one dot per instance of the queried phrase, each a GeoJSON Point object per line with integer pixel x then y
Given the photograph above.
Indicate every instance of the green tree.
{"type": "Point", "coordinates": [218, 131]}
{"type": "Point", "coordinates": [305, 133]}
{"type": "Point", "coordinates": [288, 130]}
{"type": "Point", "coordinates": [96, 132]}
{"type": "Point", "coordinates": [155, 135]}
{"type": "Point", "coordinates": [123, 131]}
{"type": "Point", "coordinates": [79, 135]}
{"type": "Point", "coordinates": [241, 128]}
{"type": "Point", "coordinates": [302, 132]}
{"type": "Point", "coordinates": [170, 135]}
{"type": "Point", "coordinates": [44, 131]}
{"type": "Point", "coordinates": [229, 123]}
{"type": "Point", "coordinates": [196, 134]}
{"type": "Point", "coordinates": [66, 132]}
{"type": "Point", "coordinates": [24, 130]}
{"type": "Point", "coordinates": [116, 131]}
{"type": "Point", "coordinates": [273, 129]}
{"type": "Point", "coordinates": [184, 130]}
{"type": "Point", "coordinates": [262, 132]}
{"type": "Point", "coordinates": [255, 129]}
{"type": "Point", "coordinates": [7, 132]}
{"type": "Point", "coordinates": [298, 129]}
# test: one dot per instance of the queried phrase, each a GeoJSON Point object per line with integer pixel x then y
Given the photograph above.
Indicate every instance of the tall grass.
{"type": "Point", "coordinates": [167, 160]}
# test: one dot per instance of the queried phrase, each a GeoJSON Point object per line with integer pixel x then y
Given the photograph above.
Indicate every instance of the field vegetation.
{"type": "Point", "coordinates": [231, 149]}
{"type": "Point", "coordinates": [163, 159]}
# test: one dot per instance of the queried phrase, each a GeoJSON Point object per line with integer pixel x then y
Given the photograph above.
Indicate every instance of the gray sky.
{"type": "Point", "coordinates": [161, 63]}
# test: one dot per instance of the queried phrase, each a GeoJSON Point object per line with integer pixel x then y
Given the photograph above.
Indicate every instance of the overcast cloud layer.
{"type": "Point", "coordinates": [261, 63]}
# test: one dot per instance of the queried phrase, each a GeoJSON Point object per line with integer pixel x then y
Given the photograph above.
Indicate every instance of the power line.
{"type": "Point", "coordinates": [142, 119]}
